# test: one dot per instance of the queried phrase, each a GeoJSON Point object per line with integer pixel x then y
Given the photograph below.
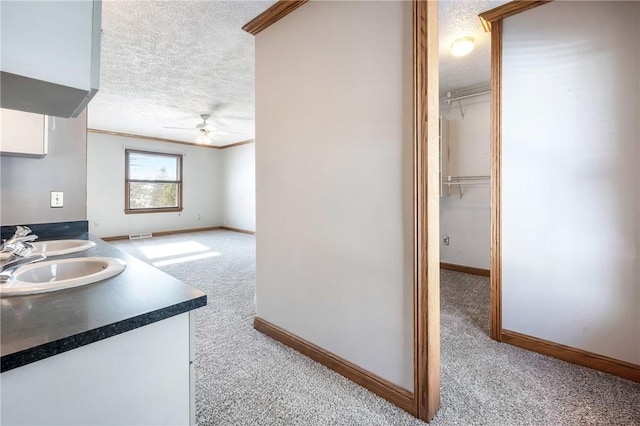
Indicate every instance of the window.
{"type": "Point", "coordinates": [153, 182]}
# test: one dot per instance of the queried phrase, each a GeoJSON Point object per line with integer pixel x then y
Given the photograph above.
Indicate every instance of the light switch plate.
{"type": "Point", "coordinates": [57, 199]}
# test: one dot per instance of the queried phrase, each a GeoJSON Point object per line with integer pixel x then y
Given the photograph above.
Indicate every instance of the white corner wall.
{"type": "Point", "coordinates": [571, 161]}
{"type": "Point", "coordinates": [334, 181]}
{"type": "Point", "coordinates": [467, 220]}
{"type": "Point", "coordinates": [239, 187]}
{"type": "Point", "coordinates": [202, 180]}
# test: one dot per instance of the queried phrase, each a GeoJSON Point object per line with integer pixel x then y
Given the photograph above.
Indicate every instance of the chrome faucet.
{"type": "Point", "coordinates": [19, 247]}
{"type": "Point", "coordinates": [7, 267]}
{"type": "Point", "coordinates": [21, 235]}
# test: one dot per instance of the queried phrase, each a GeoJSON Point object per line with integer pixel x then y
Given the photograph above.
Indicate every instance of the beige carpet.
{"type": "Point", "coordinates": [246, 378]}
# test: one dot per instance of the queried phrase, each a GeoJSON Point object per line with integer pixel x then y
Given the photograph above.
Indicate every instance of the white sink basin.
{"type": "Point", "coordinates": [58, 247]}
{"type": "Point", "coordinates": [60, 274]}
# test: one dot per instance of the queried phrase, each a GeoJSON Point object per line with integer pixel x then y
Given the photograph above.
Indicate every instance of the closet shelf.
{"type": "Point", "coordinates": [465, 180]}
{"type": "Point", "coordinates": [465, 93]}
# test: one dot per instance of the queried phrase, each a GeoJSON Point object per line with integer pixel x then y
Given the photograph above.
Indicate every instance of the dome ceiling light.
{"type": "Point", "coordinates": [462, 46]}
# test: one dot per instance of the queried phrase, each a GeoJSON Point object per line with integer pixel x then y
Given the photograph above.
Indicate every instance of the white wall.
{"type": "Point", "coordinates": [26, 183]}
{"type": "Point", "coordinates": [571, 161]}
{"type": "Point", "coordinates": [334, 181]}
{"type": "Point", "coordinates": [467, 220]}
{"type": "Point", "coordinates": [202, 185]}
{"type": "Point", "coordinates": [239, 187]}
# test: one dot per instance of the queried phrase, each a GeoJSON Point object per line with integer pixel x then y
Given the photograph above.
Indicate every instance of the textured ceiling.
{"type": "Point", "coordinates": [459, 18]}
{"type": "Point", "coordinates": [163, 63]}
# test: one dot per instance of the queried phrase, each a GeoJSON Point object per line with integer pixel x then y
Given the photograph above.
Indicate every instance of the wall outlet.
{"type": "Point", "coordinates": [57, 199]}
{"type": "Point", "coordinates": [96, 224]}
{"type": "Point", "coordinates": [445, 241]}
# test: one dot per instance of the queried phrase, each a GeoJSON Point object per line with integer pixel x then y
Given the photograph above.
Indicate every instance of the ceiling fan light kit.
{"type": "Point", "coordinates": [205, 131]}
{"type": "Point", "coordinates": [204, 139]}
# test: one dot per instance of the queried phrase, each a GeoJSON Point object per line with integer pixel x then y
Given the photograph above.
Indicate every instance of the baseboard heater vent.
{"type": "Point", "coordinates": [140, 236]}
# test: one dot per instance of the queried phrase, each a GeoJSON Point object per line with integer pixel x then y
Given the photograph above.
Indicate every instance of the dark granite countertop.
{"type": "Point", "coordinates": [42, 325]}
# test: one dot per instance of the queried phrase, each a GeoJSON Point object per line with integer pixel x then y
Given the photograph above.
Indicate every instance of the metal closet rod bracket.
{"type": "Point", "coordinates": [465, 93]}
{"type": "Point", "coordinates": [465, 180]}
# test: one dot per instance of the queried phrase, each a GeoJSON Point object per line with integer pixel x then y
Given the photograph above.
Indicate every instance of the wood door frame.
{"type": "Point", "coordinates": [495, 263]}
{"type": "Point", "coordinates": [425, 399]}
{"type": "Point", "coordinates": [492, 22]}
{"type": "Point", "coordinates": [426, 312]}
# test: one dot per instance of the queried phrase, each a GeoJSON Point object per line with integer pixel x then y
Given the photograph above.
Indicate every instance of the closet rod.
{"type": "Point", "coordinates": [457, 98]}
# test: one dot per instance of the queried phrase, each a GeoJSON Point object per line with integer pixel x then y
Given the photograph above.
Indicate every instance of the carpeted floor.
{"type": "Point", "coordinates": [246, 378]}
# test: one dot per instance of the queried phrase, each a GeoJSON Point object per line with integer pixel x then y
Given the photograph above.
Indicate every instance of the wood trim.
{"type": "Point", "coordinates": [276, 12]}
{"type": "Point", "coordinates": [425, 400]}
{"type": "Point", "coordinates": [238, 144]}
{"type": "Point", "coordinates": [588, 359]}
{"type": "Point", "coordinates": [129, 135]}
{"type": "Point", "coordinates": [150, 138]}
{"type": "Point", "coordinates": [496, 183]}
{"type": "Point", "coordinates": [160, 210]}
{"type": "Point", "coordinates": [242, 231]}
{"type": "Point", "coordinates": [619, 368]}
{"type": "Point", "coordinates": [161, 233]}
{"type": "Point", "coordinates": [381, 387]}
{"type": "Point", "coordinates": [492, 21]}
{"type": "Point", "coordinates": [465, 269]}
{"type": "Point", "coordinates": [127, 183]}
{"type": "Point", "coordinates": [490, 17]}
{"type": "Point", "coordinates": [115, 238]}
{"type": "Point", "coordinates": [186, 231]}
{"type": "Point", "coordinates": [427, 216]}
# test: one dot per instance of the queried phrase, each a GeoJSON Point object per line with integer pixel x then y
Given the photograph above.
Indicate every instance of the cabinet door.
{"type": "Point", "coordinates": [48, 41]}
{"type": "Point", "coordinates": [23, 133]}
{"type": "Point", "coordinates": [140, 377]}
{"type": "Point", "coordinates": [50, 56]}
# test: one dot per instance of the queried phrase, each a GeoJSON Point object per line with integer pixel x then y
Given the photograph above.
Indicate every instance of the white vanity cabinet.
{"type": "Point", "coordinates": [140, 377]}
{"type": "Point", "coordinates": [50, 55]}
{"type": "Point", "coordinates": [23, 133]}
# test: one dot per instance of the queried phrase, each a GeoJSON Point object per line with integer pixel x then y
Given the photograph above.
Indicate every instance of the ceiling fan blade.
{"type": "Point", "coordinates": [228, 133]}
{"type": "Point", "coordinates": [179, 128]}
{"type": "Point", "coordinates": [231, 117]}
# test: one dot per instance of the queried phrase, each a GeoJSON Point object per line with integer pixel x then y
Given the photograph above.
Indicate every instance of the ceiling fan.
{"type": "Point", "coordinates": [204, 129]}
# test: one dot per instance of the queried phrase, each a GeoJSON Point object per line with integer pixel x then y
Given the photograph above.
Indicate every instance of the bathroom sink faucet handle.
{"type": "Point", "coordinates": [21, 231]}
{"type": "Point", "coordinates": [23, 249]}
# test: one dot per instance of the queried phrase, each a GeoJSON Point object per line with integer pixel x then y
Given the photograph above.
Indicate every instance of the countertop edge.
{"type": "Point", "coordinates": [18, 359]}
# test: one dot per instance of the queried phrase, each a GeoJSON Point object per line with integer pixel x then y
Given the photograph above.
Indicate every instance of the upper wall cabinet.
{"type": "Point", "coordinates": [50, 55]}
{"type": "Point", "coordinates": [24, 134]}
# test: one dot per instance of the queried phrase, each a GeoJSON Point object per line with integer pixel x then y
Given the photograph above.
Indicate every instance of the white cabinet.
{"type": "Point", "coordinates": [23, 133]}
{"type": "Point", "coordinates": [140, 377]}
{"type": "Point", "coordinates": [50, 55]}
